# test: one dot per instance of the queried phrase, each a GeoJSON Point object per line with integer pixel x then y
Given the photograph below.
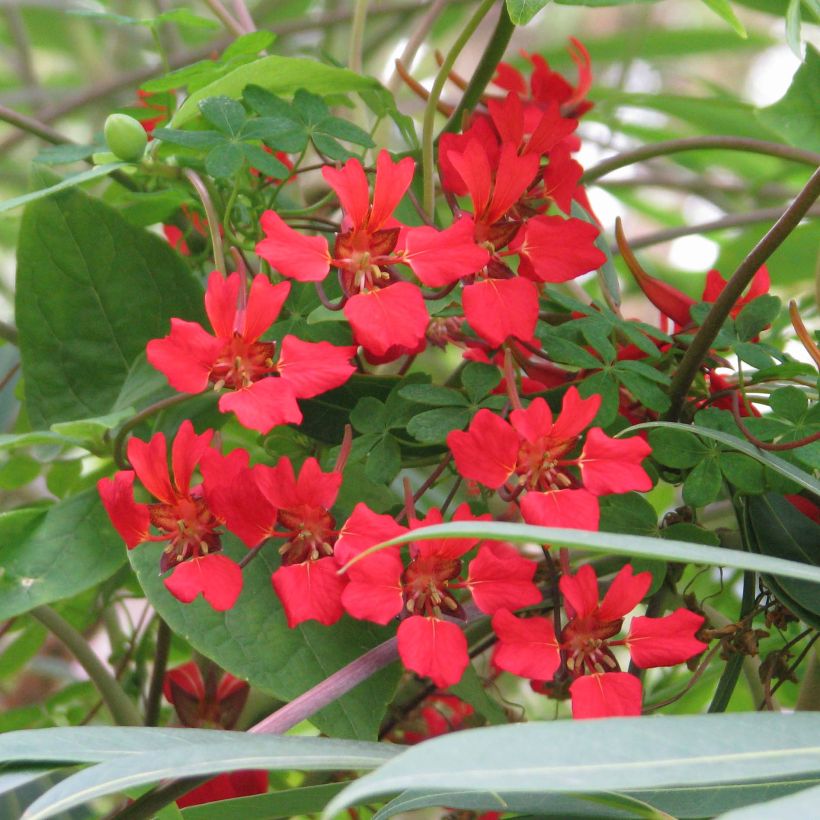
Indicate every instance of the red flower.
{"type": "Point", "coordinates": [438, 714]}
{"type": "Point", "coordinates": [381, 587]}
{"type": "Point", "coordinates": [263, 392]}
{"type": "Point", "coordinates": [212, 703]}
{"type": "Point", "coordinates": [530, 648]}
{"type": "Point", "coordinates": [388, 316]}
{"type": "Point", "coordinates": [182, 513]}
{"type": "Point", "coordinates": [536, 450]}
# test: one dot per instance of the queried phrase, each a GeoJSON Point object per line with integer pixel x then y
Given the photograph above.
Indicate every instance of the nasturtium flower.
{"type": "Point", "coordinates": [530, 648]}
{"type": "Point", "coordinates": [424, 592]}
{"type": "Point", "coordinates": [262, 388]}
{"type": "Point", "coordinates": [182, 515]}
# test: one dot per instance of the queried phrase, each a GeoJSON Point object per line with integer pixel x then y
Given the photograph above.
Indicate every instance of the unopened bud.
{"type": "Point", "coordinates": [125, 137]}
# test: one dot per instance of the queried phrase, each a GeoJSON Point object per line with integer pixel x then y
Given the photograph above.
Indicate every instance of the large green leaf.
{"type": "Point", "coordinates": [588, 756]}
{"type": "Point", "coordinates": [801, 804]}
{"type": "Point", "coordinates": [522, 11]}
{"type": "Point", "coordinates": [254, 642]}
{"type": "Point", "coordinates": [796, 116]}
{"type": "Point", "coordinates": [777, 528]}
{"type": "Point", "coordinates": [56, 552]}
{"type": "Point", "coordinates": [664, 549]}
{"type": "Point", "coordinates": [183, 754]}
{"type": "Point", "coordinates": [92, 290]}
{"type": "Point", "coordinates": [768, 459]}
{"type": "Point", "coordinates": [280, 75]}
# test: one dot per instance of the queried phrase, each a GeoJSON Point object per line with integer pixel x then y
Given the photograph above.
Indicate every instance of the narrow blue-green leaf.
{"type": "Point", "coordinates": [634, 545]}
{"type": "Point", "coordinates": [233, 752]}
{"type": "Point", "coordinates": [793, 27]}
{"type": "Point", "coordinates": [801, 804]}
{"type": "Point", "coordinates": [69, 182]}
{"type": "Point", "coordinates": [724, 10]}
{"type": "Point", "coordinates": [582, 756]}
{"type": "Point", "coordinates": [774, 462]}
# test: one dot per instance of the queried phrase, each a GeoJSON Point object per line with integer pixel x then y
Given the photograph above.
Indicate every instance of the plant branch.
{"type": "Point", "coordinates": [225, 17]}
{"type": "Point", "coordinates": [704, 338]}
{"type": "Point", "coordinates": [729, 221]}
{"type": "Point", "coordinates": [415, 41]}
{"type": "Point", "coordinates": [427, 153]}
{"type": "Point", "coordinates": [8, 332]}
{"type": "Point", "coordinates": [660, 149]}
{"type": "Point", "coordinates": [158, 673]}
{"type": "Point", "coordinates": [213, 219]}
{"type": "Point", "coordinates": [32, 126]}
{"type": "Point", "coordinates": [803, 333]}
{"type": "Point", "coordinates": [357, 26]}
{"type": "Point", "coordinates": [119, 704]}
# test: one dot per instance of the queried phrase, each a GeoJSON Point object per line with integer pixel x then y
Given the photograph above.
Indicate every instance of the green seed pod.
{"type": "Point", "coordinates": [125, 137]}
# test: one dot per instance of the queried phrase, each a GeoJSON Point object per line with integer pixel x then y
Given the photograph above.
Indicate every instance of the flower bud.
{"type": "Point", "coordinates": [125, 137]}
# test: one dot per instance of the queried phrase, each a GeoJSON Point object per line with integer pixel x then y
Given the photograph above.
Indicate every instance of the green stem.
{"type": "Point", "coordinates": [226, 221]}
{"type": "Point", "coordinates": [660, 149]}
{"type": "Point", "coordinates": [427, 153]}
{"type": "Point", "coordinates": [212, 217]}
{"type": "Point", "coordinates": [119, 704]}
{"type": "Point", "coordinates": [808, 700]}
{"type": "Point", "coordinates": [354, 60]}
{"type": "Point", "coordinates": [708, 331]}
{"type": "Point", "coordinates": [119, 441]}
{"type": "Point", "coordinates": [485, 69]}
{"type": "Point", "coordinates": [158, 673]}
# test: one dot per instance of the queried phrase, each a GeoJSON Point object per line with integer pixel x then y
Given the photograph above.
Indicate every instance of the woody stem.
{"type": "Point", "coordinates": [428, 161]}
{"type": "Point", "coordinates": [213, 219]}
{"type": "Point", "coordinates": [705, 337]}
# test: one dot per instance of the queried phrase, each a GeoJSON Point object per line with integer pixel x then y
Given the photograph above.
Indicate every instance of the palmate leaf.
{"type": "Point", "coordinates": [572, 757]}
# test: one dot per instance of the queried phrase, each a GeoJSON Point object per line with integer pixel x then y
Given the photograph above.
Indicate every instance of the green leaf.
{"type": "Point", "coordinates": [310, 107]}
{"type": "Point", "coordinates": [285, 803]}
{"type": "Point", "coordinates": [676, 448]}
{"type": "Point", "coordinates": [566, 352]}
{"type": "Point", "coordinates": [225, 160]}
{"type": "Point", "coordinates": [69, 182]}
{"type": "Point", "coordinates": [92, 290]}
{"type": "Point", "coordinates": [265, 162]}
{"type": "Point", "coordinates": [522, 11]}
{"type": "Point", "coordinates": [253, 642]}
{"type": "Point", "coordinates": [347, 131]}
{"type": "Point", "coordinates": [93, 433]}
{"type": "Point", "coordinates": [723, 9]}
{"type": "Point", "coordinates": [248, 44]}
{"type": "Point", "coordinates": [793, 28]}
{"type": "Point", "coordinates": [743, 472]}
{"type": "Point", "coordinates": [756, 315]}
{"type": "Point", "coordinates": [189, 139]}
{"type": "Point", "coordinates": [47, 555]}
{"type": "Point", "coordinates": [773, 462]}
{"type": "Point", "coordinates": [703, 484]}
{"type": "Point", "coordinates": [279, 75]}
{"type": "Point", "coordinates": [789, 402]}
{"type": "Point", "coordinates": [433, 395]}
{"type": "Point", "coordinates": [369, 415]}
{"type": "Point", "coordinates": [796, 117]}
{"type": "Point", "coordinates": [644, 390]}
{"type": "Point", "coordinates": [471, 689]}
{"type": "Point", "coordinates": [779, 529]}
{"type": "Point", "coordinates": [279, 133]}
{"type": "Point", "coordinates": [226, 115]}
{"type": "Point", "coordinates": [479, 380]}
{"type": "Point", "coordinates": [383, 460]}
{"type": "Point", "coordinates": [570, 756]}
{"type": "Point", "coordinates": [801, 804]}
{"type": "Point", "coordinates": [628, 513]}
{"type": "Point", "coordinates": [434, 425]}
{"type": "Point", "coordinates": [18, 471]}
{"type": "Point", "coordinates": [753, 354]}
{"type": "Point", "coordinates": [606, 387]}
{"type": "Point", "coordinates": [63, 154]}
{"type": "Point", "coordinates": [210, 752]}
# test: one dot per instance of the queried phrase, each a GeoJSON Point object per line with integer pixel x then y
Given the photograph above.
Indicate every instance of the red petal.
{"type": "Point", "coordinates": [350, 185]}
{"type": "Point", "coordinates": [572, 509]}
{"type": "Point", "coordinates": [500, 578]}
{"type": "Point", "coordinates": [499, 308]}
{"type": "Point", "coordinates": [433, 648]}
{"type": "Point", "coordinates": [235, 497]}
{"type": "Point", "coordinates": [226, 787]}
{"type": "Point", "coordinates": [512, 178]}
{"type": "Point", "coordinates": [665, 641]}
{"type": "Point", "coordinates": [216, 576]}
{"type": "Point", "coordinates": [473, 167]}
{"type": "Point", "coordinates": [509, 78]}
{"type": "Point", "coordinates": [374, 591]}
{"type": "Point", "coordinates": [551, 129]}
{"type": "Point", "coordinates": [581, 591]}
{"type": "Point", "coordinates": [186, 451]}
{"type": "Point", "coordinates": [554, 249]}
{"type": "Point", "coordinates": [317, 487]}
{"type": "Point", "coordinates": [310, 591]}
{"type": "Point", "coordinates": [264, 305]}
{"type": "Point", "coordinates": [395, 316]}
{"type": "Point", "coordinates": [186, 677]}
{"type": "Point", "coordinates": [299, 257]}
{"type": "Point", "coordinates": [221, 298]}
{"type": "Point", "coordinates": [150, 462]}
{"type": "Point", "coordinates": [311, 368]}
{"type": "Point", "coordinates": [185, 356]}
{"type": "Point", "coordinates": [668, 300]}
{"type": "Point", "coordinates": [131, 520]}
{"type": "Point", "coordinates": [508, 118]}
{"type": "Point", "coordinates": [487, 452]}
{"type": "Point", "coordinates": [613, 694]}
{"type": "Point", "coordinates": [392, 181]}
{"type": "Point", "coordinates": [441, 257]}
{"type": "Point", "coordinates": [576, 413]}
{"type": "Point", "coordinates": [533, 422]}
{"type": "Point", "coordinates": [624, 594]}
{"type": "Point", "coordinates": [526, 647]}
{"type": "Point", "coordinates": [263, 405]}
{"type": "Point", "coordinates": [611, 465]}
{"type": "Point", "coordinates": [562, 176]}
{"type": "Point", "coordinates": [364, 529]}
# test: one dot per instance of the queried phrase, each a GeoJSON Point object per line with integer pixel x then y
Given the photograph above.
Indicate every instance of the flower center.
{"type": "Point", "coordinates": [311, 534]}
{"type": "Point", "coordinates": [242, 363]}
{"type": "Point", "coordinates": [426, 590]}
